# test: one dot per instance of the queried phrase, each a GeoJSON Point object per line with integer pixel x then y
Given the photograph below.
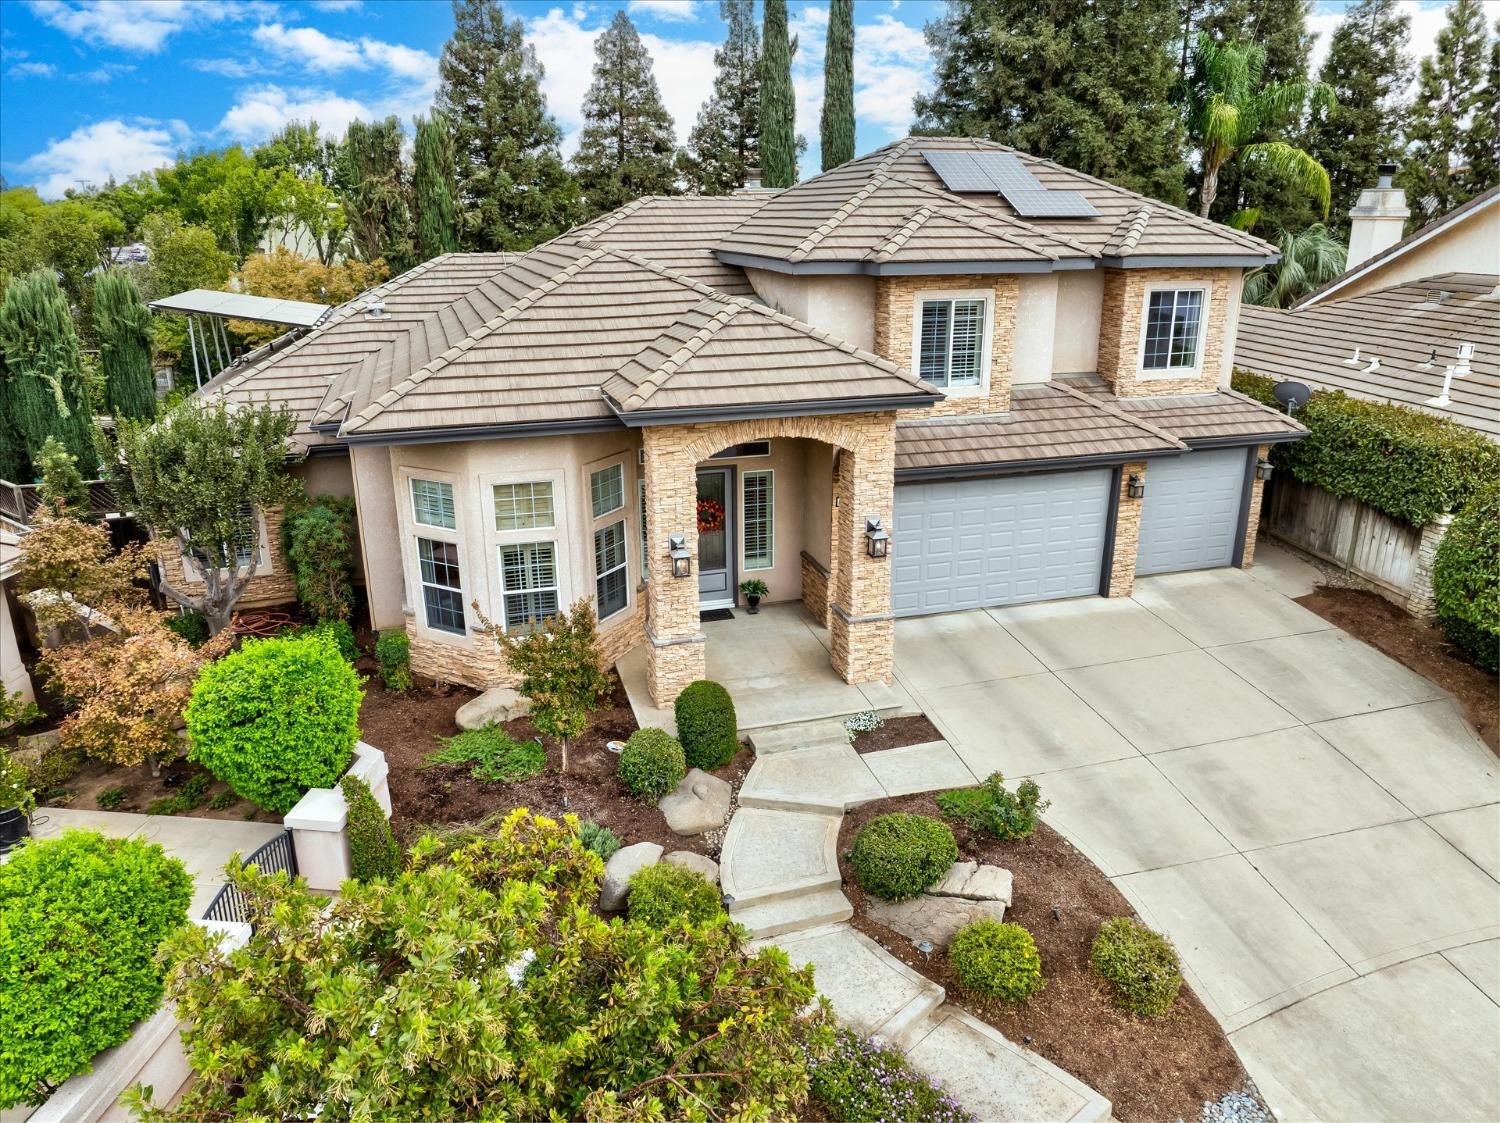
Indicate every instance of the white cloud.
{"type": "Point", "coordinates": [229, 67]}
{"type": "Point", "coordinates": [666, 9]}
{"type": "Point", "coordinates": [94, 153]}
{"type": "Point", "coordinates": [308, 46]}
{"type": "Point", "coordinates": [685, 74]}
{"type": "Point", "coordinates": [138, 25]}
{"type": "Point", "coordinates": [261, 110]}
{"type": "Point", "coordinates": [32, 70]}
{"type": "Point", "coordinates": [108, 72]}
{"type": "Point", "coordinates": [338, 5]}
{"type": "Point", "coordinates": [402, 61]}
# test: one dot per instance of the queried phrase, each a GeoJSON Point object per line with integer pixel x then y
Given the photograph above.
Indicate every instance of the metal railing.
{"type": "Point", "coordinates": [276, 856]}
{"type": "Point", "coordinates": [19, 502]}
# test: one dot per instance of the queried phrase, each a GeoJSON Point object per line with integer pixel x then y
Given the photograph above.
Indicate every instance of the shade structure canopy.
{"type": "Point", "coordinates": [242, 306]}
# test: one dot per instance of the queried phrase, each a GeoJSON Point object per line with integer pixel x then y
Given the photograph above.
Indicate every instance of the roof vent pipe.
{"type": "Point", "coordinates": [1387, 171]}
{"type": "Point", "coordinates": [375, 310]}
{"type": "Point", "coordinates": [752, 178]}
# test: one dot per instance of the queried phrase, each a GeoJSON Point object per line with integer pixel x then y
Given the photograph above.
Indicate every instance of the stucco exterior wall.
{"type": "Point", "coordinates": [1470, 245]}
{"type": "Point", "coordinates": [817, 501]}
{"type": "Point", "coordinates": [844, 305]}
{"type": "Point", "coordinates": [1075, 336]}
{"type": "Point", "coordinates": [1036, 328]}
{"type": "Point", "coordinates": [788, 465]}
{"type": "Point", "coordinates": [895, 310]}
{"type": "Point", "coordinates": [379, 554]}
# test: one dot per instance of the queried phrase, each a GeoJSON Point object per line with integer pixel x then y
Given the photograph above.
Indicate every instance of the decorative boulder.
{"type": "Point", "coordinates": [497, 704]}
{"type": "Point", "coordinates": [621, 867]}
{"type": "Point", "coordinates": [966, 893]}
{"type": "Point", "coordinates": [974, 882]}
{"type": "Point", "coordinates": [698, 863]}
{"type": "Point", "coordinates": [698, 804]}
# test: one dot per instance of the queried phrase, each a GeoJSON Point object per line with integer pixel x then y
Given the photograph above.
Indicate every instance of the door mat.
{"type": "Point", "coordinates": [714, 615]}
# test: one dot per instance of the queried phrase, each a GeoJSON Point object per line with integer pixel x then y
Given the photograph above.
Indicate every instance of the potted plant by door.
{"type": "Point", "coordinates": [753, 589]}
{"type": "Point", "coordinates": [16, 802]}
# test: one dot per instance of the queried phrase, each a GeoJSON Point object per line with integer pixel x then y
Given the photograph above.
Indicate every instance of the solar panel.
{"type": "Point", "coordinates": [1050, 204]}
{"type": "Point", "coordinates": [960, 172]}
{"type": "Point", "coordinates": [1004, 174]}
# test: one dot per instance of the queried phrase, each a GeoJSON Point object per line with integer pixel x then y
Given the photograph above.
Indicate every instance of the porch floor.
{"type": "Point", "coordinates": [775, 666]}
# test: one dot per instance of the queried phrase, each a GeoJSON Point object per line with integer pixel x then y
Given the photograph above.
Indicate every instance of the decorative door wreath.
{"type": "Point", "coordinates": [710, 516]}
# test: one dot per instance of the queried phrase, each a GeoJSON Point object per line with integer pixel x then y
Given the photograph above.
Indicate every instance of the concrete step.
{"type": "Point", "coordinates": [773, 855]}
{"type": "Point", "coordinates": [798, 735]}
{"type": "Point", "coordinates": [827, 778]}
{"type": "Point", "coordinates": [793, 914]}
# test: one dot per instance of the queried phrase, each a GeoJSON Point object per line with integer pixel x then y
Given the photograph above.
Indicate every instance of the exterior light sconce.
{"type": "Point", "coordinates": [682, 561]}
{"type": "Point", "coordinates": [1263, 469]}
{"type": "Point", "coordinates": [877, 540]}
{"type": "Point", "coordinates": [1135, 487]}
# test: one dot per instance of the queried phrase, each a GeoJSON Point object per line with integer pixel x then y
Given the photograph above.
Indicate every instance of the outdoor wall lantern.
{"type": "Point", "coordinates": [877, 541]}
{"type": "Point", "coordinates": [1263, 469]}
{"type": "Point", "coordinates": [1135, 487]}
{"type": "Point", "coordinates": [682, 561]}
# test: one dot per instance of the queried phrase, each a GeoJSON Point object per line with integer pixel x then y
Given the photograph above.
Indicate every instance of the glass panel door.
{"type": "Point", "coordinates": [715, 534]}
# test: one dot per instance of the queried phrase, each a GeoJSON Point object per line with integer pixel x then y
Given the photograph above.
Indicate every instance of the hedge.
{"type": "Point", "coordinates": [1407, 463]}
{"type": "Point", "coordinates": [997, 959]}
{"type": "Point", "coordinates": [652, 764]}
{"type": "Point", "coordinates": [1466, 579]}
{"type": "Point", "coordinates": [373, 850]}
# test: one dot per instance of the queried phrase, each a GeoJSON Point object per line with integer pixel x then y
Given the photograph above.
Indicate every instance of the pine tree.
{"type": "Point", "coordinates": [1449, 89]}
{"type": "Point", "coordinates": [373, 181]}
{"type": "Point", "coordinates": [436, 225]}
{"type": "Point", "coordinates": [45, 394]}
{"type": "Point", "coordinates": [725, 139]}
{"type": "Point", "coordinates": [513, 190]}
{"type": "Point", "coordinates": [1368, 71]}
{"type": "Point", "coordinates": [778, 107]}
{"type": "Point", "coordinates": [627, 146]}
{"type": "Point", "coordinates": [122, 326]}
{"type": "Point", "coordinates": [1086, 84]}
{"type": "Point", "coordinates": [1481, 147]}
{"type": "Point", "coordinates": [837, 125]}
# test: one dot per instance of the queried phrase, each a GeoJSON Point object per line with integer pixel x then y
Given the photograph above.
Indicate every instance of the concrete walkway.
{"type": "Point", "coordinates": [202, 845]}
{"type": "Point", "coordinates": [1316, 827]}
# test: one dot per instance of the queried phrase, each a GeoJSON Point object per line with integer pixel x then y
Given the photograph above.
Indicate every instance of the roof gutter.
{"type": "Point", "coordinates": [1030, 467]}
{"type": "Point", "coordinates": [1190, 261]}
{"type": "Point", "coordinates": [1242, 440]}
{"type": "Point", "coordinates": [640, 418]}
{"type": "Point", "coordinates": [896, 268]}
{"type": "Point", "coordinates": [483, 432]}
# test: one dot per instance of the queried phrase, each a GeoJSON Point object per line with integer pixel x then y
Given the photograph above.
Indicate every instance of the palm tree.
{"type": "Point", "coordinates": [1309, 258]}
{"type": "Point", "coordinates": [1229, 105]}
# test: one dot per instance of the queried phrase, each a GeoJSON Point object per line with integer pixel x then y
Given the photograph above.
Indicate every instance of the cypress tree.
{"type": "Point", "coordinates": [122, 325]}
{"type": "Point", "coordinates": [1450, 86]}
{"type": "Point", "coordinates": [1368, 71]}
{"type": "Point", "coordinates": [778, 108]}
{"type": "Point", "coordinates": [373, 181]}
{"type": "Point", "coordinates": [837, 126]}
{"type": "Point", "coordinates": [432, 187]}
{"type": "Point", "coordinates": [725, 140]}
{"type": "Point", "coordinates": [513, 190]}
{"type": "Point", "coordinates": [627, 145]}
{"type": "Point", "coordinates": [1481, 144]}
{"type": "Point", "coordinates": [45, 392]}
{"type": "Point", "coordinates": [1086, 84]}
{"type": "Point", "coordinates": [15, 465]}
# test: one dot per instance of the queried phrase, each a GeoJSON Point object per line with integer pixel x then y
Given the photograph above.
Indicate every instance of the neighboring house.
{"type": "Point", "coordinates": [1016, 371]}
{"type": "Point", "coordinates": [14, 677]}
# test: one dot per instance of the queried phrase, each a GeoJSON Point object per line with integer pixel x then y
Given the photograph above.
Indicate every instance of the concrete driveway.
{"type": "Point", "coordinates": [1316, 827]}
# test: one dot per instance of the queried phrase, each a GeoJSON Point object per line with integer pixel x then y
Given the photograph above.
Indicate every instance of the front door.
{"type": "Point", "coordinates": [715, 537]}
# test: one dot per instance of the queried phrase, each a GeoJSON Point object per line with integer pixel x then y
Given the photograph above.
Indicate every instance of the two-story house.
{"type": "Point", "coordinates": [945, 375]}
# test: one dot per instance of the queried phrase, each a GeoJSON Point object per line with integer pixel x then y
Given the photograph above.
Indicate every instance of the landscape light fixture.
{"type": "Point", "coordinates": [1262, 469]}
{"type": "Point", "coordinates": [682, 561]}
{"type": "Point", "coordinates": [1135, 487]}
{"type": "Point", "coordinates": [877, 541]}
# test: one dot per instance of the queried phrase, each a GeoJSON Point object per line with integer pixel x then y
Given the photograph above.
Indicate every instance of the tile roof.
{"type": "Point", "coordinates": [678, 231]}
{"type": "Point", "coordinates": [1414, 329]}
{"type": "Point", "coordinates": [1220, 417]}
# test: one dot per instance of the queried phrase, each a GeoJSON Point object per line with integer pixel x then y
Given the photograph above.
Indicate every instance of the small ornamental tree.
{"type": "Point", "coordinates": [199, 474]}
{"type": "Point", "coordinates": [561, 670]}
{"type": "Point", "coordinates": [475, 985]}
{"type": "Point", "coordinates": [80, 920]}
{"type": "Point", "coordinates": [320, 548]}
{"type": "Point", "coordinates": [63, 489]}
{"type": "Point", "coordinates": [70, 574]}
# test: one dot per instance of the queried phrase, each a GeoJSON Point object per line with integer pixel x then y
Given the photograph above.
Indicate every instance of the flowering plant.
{"type": "Point", "coordinates": [710, 516]}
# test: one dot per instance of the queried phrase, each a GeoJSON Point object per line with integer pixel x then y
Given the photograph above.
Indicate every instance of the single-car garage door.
{"type": "Point", "coordinates": [1190, 518]}
{"type": "Point", "coordinates": [1002, 540]}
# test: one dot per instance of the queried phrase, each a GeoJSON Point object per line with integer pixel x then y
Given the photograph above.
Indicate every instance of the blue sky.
{"type": "Point", "coordinates": [90, 88]}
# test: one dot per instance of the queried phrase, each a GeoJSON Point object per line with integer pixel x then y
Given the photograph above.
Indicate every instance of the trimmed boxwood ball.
{"type": "Point", "coordinates": [82, 918]}
{"type": "Point", "coordinates": [663, 894]}
{"type": "Point", "coordinates": [997, 959]}
{"type": "Point", "coordinates": [706, 725]}
{"type": "Point", "coordinates": [1139, 964]}
{"type": "Point", "coordinates": [276, 717]}
{"type": "Point", "coordinates": [652, 764]}
{"type": "Point", "coordinates": [896, 856]}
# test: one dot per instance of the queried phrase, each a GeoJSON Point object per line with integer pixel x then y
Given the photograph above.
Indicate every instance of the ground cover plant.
{"type": "Point", "coordinates": [494, 753]}
{"type": "Point", "coordinates": [860, 1081]}
{"type": "Point", "coordinates": [993, 807]}
{"type": "Point", "coordinates": [1141, 965]}
{"type": "Point", "coordinates": [600, 839]}
{"type": "Point", "coordinates": [897, 856]}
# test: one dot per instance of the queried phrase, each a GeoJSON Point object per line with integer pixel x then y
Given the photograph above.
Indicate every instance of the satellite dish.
{"type": "Point", "coordinates": [1292, 395]}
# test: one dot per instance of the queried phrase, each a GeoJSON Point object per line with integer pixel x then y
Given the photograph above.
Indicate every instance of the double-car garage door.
{"type": "Point", "coordinates": [973, 543]}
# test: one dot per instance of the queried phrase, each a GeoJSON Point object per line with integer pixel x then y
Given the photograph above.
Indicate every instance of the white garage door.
{"type": "Point", "coordinates": [1002, 540]}
{"type": "Point", "coordinates": [1191, 513]}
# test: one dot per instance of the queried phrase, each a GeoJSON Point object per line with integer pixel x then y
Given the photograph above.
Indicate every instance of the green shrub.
{"type": "Point", "coordinates": [652, 764]}
{"type": "Point", "coordinates": [82, 918]}
{"type": "Point", "coordinates": [393, 653]}
{"type": "Point", "coordinates": [600, 839]}
{"type": "Point", "coordinates": [191, 626]}
{"type": "Point", "coordinates": [997, 959]}
{"type": "Point", "coordinates": [1139, 964]}
{"type": "Point", "coordinates": [896, 856]}
{"type": "Point", "coordinates": [17, 788]}
{"type": "Point", "coordinates": [223, 800]}
{"type": "Point", "coordinates": [706, 725]}
{"type": "Point", "coordinates": [275, 718]}
{"type": "Point", "coordinates": [497, 756]}
{"type": "Point", "coordinates": [110, 798]}
{"type": "Point", "coordinates": [319, 544]}
{"type": "Point", "coordinates": [858, 1081]}
{"type": "Point", "coordinates": [663, 894]}
{"type": "Point", "coordinates": [373, 851]}
{"type": "Point", "coordinates": [1401, 461]}
{"type": "Point", "coordinates": [990, 807]}
{"type": "Point", "coordinates": [1466, 579]}
{"type": "Point", "coordinates": [337, 632]}
{"type": "Point", "coordinates": [188, 798]}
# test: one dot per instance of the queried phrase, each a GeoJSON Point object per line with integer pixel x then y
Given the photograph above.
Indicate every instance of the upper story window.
{"type": "Point", "coordinates": [951, 340]}
{"type": "Point", "coordinates": [432, 504]}
{"type": "Point", "coordinates": [607, 489]}
{"type": "Point", "coordinates": [1174, 330]}
{"type": "Point", "coordinates": [524, 506]}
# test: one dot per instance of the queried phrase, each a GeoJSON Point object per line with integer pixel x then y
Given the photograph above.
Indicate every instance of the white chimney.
{"type": "Point", "coordinates": [1377, 220]}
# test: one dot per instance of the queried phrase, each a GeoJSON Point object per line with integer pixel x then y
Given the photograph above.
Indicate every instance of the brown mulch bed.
{"type": "Point", "coordinates": [81, 791]}
{"type": "Point", "coordinates": [405, 727]}
{"type": "Point", "coordinates": [1149, 1068]}
{"type": "Point", "coordinates": [1417, 645]}
{"type": "Point", "coordinates": [896, 733]}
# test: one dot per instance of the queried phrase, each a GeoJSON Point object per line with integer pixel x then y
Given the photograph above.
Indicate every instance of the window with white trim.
{"type": "Point", "coordinates": [756, 516]}
{"type": "Point", "coordinates": [1174, 329]}
{"type": "Point", "coordinates": [432, 504]}
{"type": "Point", "coordinates": [950, 341]}
{"type": "Point", "coordinates": [244, 523]}
{"type": "Point", "coordinates": [528, 583]}
{"type": "Point", "coordinates": [524, 506]}
{"type": "Point", "coordinates": [610, 578]}
{"type": "Point", "coordinates": [442, 585]}
{"type": "Point", "coordinates": [607, 489]}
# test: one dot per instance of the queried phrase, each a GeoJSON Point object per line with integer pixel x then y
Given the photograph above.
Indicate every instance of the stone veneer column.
{"type": "Point", "coordinates": [1252, 515]}
{"type": "Point", "coordinates": [860, 622]}
{"type": "Point", "coordinates": [1420, 600]}
{"type": "Point", "coordinates": [675, 654]}
{"type": "Point", "coordinates": [1127, 533]}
